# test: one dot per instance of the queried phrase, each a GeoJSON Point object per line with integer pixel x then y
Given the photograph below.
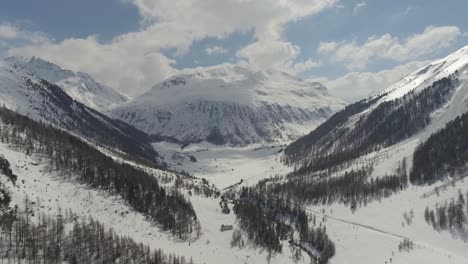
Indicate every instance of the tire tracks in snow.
{"type": "Point", "coordinates": [381, 231]}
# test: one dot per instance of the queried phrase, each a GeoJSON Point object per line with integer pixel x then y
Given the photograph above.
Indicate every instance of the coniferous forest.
{"type": "Point", "coordinates": [334, 143]}
{"type": "Point", "coordinates": [353, 188]}
{"type": "Point", "coordinates": [450, 215]}
{"type": "Point", "coordinates": [443, 154]}
{"type": "Point", "coordinates": [92, 124]}
{"type": "Point", "coordinates": [77, 160]}
{"type": "Point", "coordinates": [25, 238]}
{"type": "Point", "coordinates": [268, 220]}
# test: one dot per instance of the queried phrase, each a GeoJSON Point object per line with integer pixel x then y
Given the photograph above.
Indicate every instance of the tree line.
{"type": "Point", "coordinates": [353, 188]}
{"type": "Point", "coordinates": [77, 160]}
{"type": "Point", "coordinates": [25, 238]}
{"type": "Point", "coordinates": [92, 124]}
{"type": "Point", "coordinates": [268, 220]}
{"type": "Point", "coordinates": [443, 154]}
{"type": "Point", "coordinates": [336, 142]}
{"type": "Point", "coordinates": [449, 215]}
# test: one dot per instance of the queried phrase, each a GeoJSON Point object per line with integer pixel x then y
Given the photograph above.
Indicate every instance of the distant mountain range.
{"type": "Point", "coordinates": [230, 105]}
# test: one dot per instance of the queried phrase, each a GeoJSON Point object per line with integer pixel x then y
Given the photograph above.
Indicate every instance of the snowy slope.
{"type": "Point", "coordinates": [230, 104]}
{"type": "Point", "coordinates": [26, 94]}
{"type": "Point", "coordinates": [50, 190]}
{"type": "Point", "coordinates": [350, 126]}
{"type": "Point", "coordinates": [372, 233]}
{"type": "Point", "coordinates": [80, 86]}
{"type": "Point", "coordinates": [457, 61]}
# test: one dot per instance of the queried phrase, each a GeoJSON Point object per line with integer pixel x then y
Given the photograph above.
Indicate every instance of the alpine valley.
{"type": "Point", "coordinates": [234, 165]}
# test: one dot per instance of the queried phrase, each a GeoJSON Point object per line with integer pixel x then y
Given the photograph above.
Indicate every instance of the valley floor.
{"type": "Point", "coordinates": [226, 166]}
{"type": "Point", "coordinates": [50, 191]}
{"type": "Point", "coordinates": [372, 233]}
{"type": "Point", "coordinates": [369, 235]}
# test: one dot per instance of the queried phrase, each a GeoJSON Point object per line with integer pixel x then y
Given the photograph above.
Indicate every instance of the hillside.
{"type": "Point", "coordinates": [42, 101]}
{"type": "Point", "coordinates": [230, 105]}
{"type": "Point", "coordinates": [413, 108]}
{"type": "Point", "coordinates": [78, 85]}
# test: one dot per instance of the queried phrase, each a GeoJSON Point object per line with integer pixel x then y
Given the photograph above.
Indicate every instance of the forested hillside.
{"type": "Point", "coordinates": [345, 137]}
{"type": "Point", "coordinates": [443, 154]}
{"type": "Point", "coordinates": [29, 238]}
{"type": "Point", "coordinates": [24, 93]}
{"type": "Point", "coordinates": [77, 160]}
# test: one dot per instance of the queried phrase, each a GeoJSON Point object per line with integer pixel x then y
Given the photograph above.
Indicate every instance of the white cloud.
{"type": "Point", "coordinates": [216, 50]}
{"type": "Point", "coordinates": [304, 66]}
{"type": "Point", "coordinates": [357, 56]}
{"type": "Point", "coordinates": [358, 7]}
{"type": "Point", "coordinates": [7, 31]}
{"type": "Point", "coordinates": [264, 54]}
{"type": "Point", "coordinates": [13, 32]}
{"type": "Point", "coordinates": [357, 85]}
{"type": "Point", "coordinates": [327, 47]}
{"type": "Point", "coordinates": [218, 18]}
{"type": "Point", "coordinates": [134, 61]}
{"type": "Point", "coordinates": [125, 65]}
{"type": "Point", "coordinates": [279, 54]}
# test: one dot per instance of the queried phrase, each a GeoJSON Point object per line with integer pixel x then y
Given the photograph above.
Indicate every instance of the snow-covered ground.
{"type": "Point", "coordinates": [78, 85]}
{"type": "Point", "coordinates": [369, 235]}
{"type": "Point", "coordinates": [49, 191]}
{"type": "Point", "coordinates": [372, 233]}
{"type": "Point", "coordinates": [224, 165]}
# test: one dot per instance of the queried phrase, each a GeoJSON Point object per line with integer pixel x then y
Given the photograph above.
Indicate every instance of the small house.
{"type": "Point", "coordinates": [226, 227]}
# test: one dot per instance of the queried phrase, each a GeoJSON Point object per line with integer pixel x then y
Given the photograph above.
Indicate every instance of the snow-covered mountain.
{"type": "Point", "coordinates": [230, 104]}
{"type": "Point", "coordinates": [413, 108]}
{"type": "Point", "coordinates": [80, 86]}
{"type": "Point", "coordinates": [26, 94]}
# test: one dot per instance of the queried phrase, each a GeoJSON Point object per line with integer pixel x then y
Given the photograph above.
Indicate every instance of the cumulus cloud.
{"type": "Point", "coordinates": [216, 50]}
{"type": "Point", "coordinates": [218, 18]}
{"type": "Point", "coordinates": [357, 85]}
{"type": "Point", "coordinates": [359, 6]}
{"type": "Point", "coordinates": [356, 56]}
{"type": "Point", "coordinates": [275, 54]}
{"type": "Point", "coordinates": [126, 66]}
{"type": "Point", "coordinates": [135, 61]}
{"type": "Point", "coordinates": [304, 66]}
{"type": "Point", "coordinates": [281, 55]}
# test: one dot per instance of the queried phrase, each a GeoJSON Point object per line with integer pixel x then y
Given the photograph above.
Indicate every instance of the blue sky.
{"type": "Point", "coordinates": [132, 44]}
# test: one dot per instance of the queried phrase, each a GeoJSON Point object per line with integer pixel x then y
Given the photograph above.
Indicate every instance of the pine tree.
{"type": "Point", "coordinates": [459, 214]}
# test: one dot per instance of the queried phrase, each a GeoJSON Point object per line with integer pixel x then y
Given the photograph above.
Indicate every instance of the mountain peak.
{"type": "Point", "coordinates": [421, 78]}
{"type": "Point", "coordinates": [80, 86]}
{"type": "Point", "coordinates": [230, 104]}
{"type": "Point", "coordinates": [233, 83]}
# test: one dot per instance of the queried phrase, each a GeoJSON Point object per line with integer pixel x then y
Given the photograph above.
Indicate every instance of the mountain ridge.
{"type": "Point", "coordinates": [79, 85]}
{"type": "Point", "coordinates": [413, 108]}
{"type": "Point", "coordinates": [26, 94]}
{"type": "Point", "coordinates": [230, 104]}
